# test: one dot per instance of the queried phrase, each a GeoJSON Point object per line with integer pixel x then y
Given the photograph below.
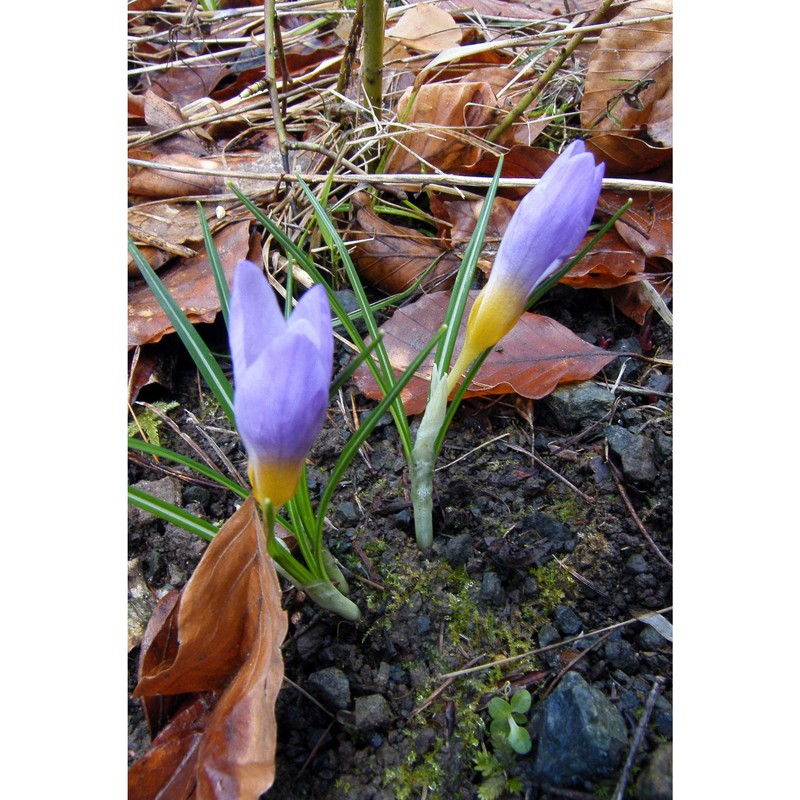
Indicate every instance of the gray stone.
{"type": "Point", "coordinates": [331, 686]}
{"type": "Point", "coordinates": [637, 564]}
{"type": "Point", "coordinates": [636, 452]}
{"type": "Point", "coordinates": [621, 655]}
{"type": "Point", "coordinates": [567, 621]}
{"type": "Point", "coordinates": [580, 736]}
{"type": "Point", "coordinates": [458, 550]}
{"type": "Point", "coordinates": [548, 634]}
{"type": "Point", "coordinates": [348, 513]}
{"type": "Point", "coordinates": [655, 782]}
{"type": "Point", "coordinates": [650, 639]}
{"type": "Point", "coordinates": [491, 589]}
{"type": "Point", "coordinates": [372, 712]}
{"type": "Point", "coordinates": [166, 489]}
{"type": "Point", "coordinates": [574, 404]}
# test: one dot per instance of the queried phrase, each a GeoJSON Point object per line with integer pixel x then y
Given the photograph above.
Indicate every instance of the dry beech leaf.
{"type": "Point", "coordinates": [222, 640]}
{"type": "Point", "coordinates": [531, 360]}
{"type": "Point", "coordinates": [619, 95]}
{"type": "Point", "coordinates": [610, 263]}
{"type": "Point", "coordinates": [512, 9]}
{"type": "Point", "coordinates": [426, 29]}
{"type": "Point", "coordinates": [191, 284]}
{"type": "Point", "coordinates": [390, 257]}
{"type": "Point", "coordinates": [647, 225]}
{"type": "Point", "coordinates": [446, 120]}
{"type": "Point", "coordinates": [625, 156]}
{"type": "Point", "coordinates": [634, 301]}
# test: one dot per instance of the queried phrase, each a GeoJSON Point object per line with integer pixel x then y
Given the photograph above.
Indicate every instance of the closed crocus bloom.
{"type": "Point", "coordinates": [546, 228]}
{"type": "Point", "coordinates": [282, 376]}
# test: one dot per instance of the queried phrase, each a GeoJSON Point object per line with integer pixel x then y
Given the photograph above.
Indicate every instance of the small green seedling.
{"type": "Point", "coordinates": [508, 720]}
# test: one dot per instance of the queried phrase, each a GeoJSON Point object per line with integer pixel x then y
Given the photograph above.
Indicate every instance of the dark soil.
{"type": "Point", "coordinates": [518, 548]}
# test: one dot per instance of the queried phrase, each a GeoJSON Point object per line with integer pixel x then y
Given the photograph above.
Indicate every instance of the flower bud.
{"type": "Point", "coordinates": [546, 228]}
{"type": "Point", "coordinates": [282, 373]}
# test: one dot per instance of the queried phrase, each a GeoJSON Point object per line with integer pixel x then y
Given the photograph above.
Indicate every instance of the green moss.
{"type": "Point", "coordinates": [567, 509]}
{"type": "Point", "coordinates": [553, 581]}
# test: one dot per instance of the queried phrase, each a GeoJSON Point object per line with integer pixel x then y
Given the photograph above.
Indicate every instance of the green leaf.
{"type": "Point", "coordinates": [499, 709]}
{"type": "Point", "coordinates": [518, 738]}
{"type": "Point", "coordinates": [216, 266]}
{"type": "Point", "coordinates": [492, 787]}
{"type": "Point", "coordinates": [521, 702]}
{"type": "Point", "coordinates": [195, 466]}
{"type": "Point", "coordinates": [486, 763]}
{"type": "Point", "coordinates": [170, 513]}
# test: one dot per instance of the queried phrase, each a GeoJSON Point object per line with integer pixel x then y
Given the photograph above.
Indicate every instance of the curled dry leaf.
{"type": "Point", "coordinates": [509, 9]}
{"type": "Point", "coordinates": [625, 156]}
{"type": "Point", "coordinates": [629, 80]}
{"type": "Point", "coordinates": [390, 257]}
{"type": "Point", "coordinates": [647, 225]}
{"type": "Point", "coordinates": [191, 284]}
{"type": "Point", "coordinates": [445, 122]}
{"type": "Point", "coordinates": [221, 641]}
{"type": "Point", "coordinates": [426, 29]}
{"type": "Point", "coordinates": [531, 360]}
{"type": "Point", "coordinates": [611, 263]}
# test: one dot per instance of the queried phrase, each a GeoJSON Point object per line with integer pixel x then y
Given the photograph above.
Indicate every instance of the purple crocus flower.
{"type": "Point", "coordinates": [282, 376]}
{"type": "Point", "coordinates": [546, 228]}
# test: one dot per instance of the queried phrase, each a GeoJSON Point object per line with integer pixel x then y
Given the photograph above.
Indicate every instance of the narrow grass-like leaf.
{"type": "Point", "coordinates": [223, 292]}
{"type": "Point", "coordinates": [195, 466]}
{"type": "Point", "coordinates": [170, 513]}
{"type": "Point", "coordinates": [198, 350]}
{"type": "Point", "coordinates": [359, 437]}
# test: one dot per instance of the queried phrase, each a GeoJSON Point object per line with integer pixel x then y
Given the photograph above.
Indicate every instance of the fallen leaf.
{"type": "Point", "coordinates": [445, 121]}
{"type": "Point", "coordinates": [610, 263]}
{"type": "Point", "coordinates": [647, 225]}
{"type": "Point", "coordinates": [222, 636]}
{"type": "Point", "coordinates": [633, 300]}
{"type": "Point", "coordinates": [531, 360]}
{"type": "Point", "coordinates": [191, 284]}
{"type": "Point", "coordinates": [390, 257]}
{"type": "Point", "coordinates": [625, 156]}
{"type": "Point", "coordinates": [426, 29]}
{"type": "Point", "coordinates": [512, 9]}
{"type": "Point", "coordinates": [629, 79]}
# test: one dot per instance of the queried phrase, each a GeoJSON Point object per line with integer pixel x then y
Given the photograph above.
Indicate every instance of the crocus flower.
{"type": "Point", "coordinates": [282, 376]}
{"type": "Point", "coordinates": [546, 228]}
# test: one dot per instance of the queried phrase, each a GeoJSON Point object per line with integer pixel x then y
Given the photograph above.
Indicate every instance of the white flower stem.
{"type": "Point", "coordinates": [424, 457]}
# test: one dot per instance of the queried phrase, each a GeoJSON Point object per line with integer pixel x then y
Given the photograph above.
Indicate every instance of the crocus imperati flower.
{"type": "Point", "coordinates": [282, 376]}
{"type": "Point", "coordinates": [546, 228]}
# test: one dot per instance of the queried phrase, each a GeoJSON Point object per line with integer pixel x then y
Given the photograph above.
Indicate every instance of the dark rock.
{"type": "Point", "coordinates": [458, 550]}
{"type": "Point", "coordinates": [423, 624]}
{"type": "Point", "coordinates": [537, 538]}
{"type": "Point", "coordinates": [663, 444]}
{"type": "Point", "coordinates": [491, 589]}
{"type": "Point", "coordinates": [567, 621]}
{"type": "Point", "coordinates": [636, 452]}
{"type": "Point", "coordinates": [660, 383]}
{"type": "Point", "coordinates": [580, 736]}
{"type": "Point", "coordinates": [331, 686]}
{"type": "Point", "coordinates": [575, 404]}
{"type": "Point", "coordinates": [348, 513]}
{"type": "Point", "coordinates": [548, 634]}
{"type": "Point", "coordinates": [650, 639]}
{"type": "Point", "coordinates": [424, 741]}
{"type": "Point", "coordinates": [630, 366]}
{"type": "Point", "coordinates": [621, 655]}
{"type": "Point", "coordinates": [311, 642]}
{"type": "Point", "coordinates": [349, 301]}
{"type": "Point", "coordinates": [655, 782]}
{"type": "Point", "coordinates": [372, 712]}
{"type": "Point", "coordinates": [637, 564]}
{"type": "Point", "coordinates": [196, 494]}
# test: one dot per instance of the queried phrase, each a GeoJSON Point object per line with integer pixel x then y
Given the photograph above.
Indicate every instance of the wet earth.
{"type": "Point", "coordinates": [553, 538]}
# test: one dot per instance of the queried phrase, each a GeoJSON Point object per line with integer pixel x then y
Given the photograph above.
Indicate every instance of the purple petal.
{"type": "Point", "coordinates": [281, 400]}
{"type": "Point", "coordinates": [255, 318]}
{"type": "Point", "coordinates": [313, 308]}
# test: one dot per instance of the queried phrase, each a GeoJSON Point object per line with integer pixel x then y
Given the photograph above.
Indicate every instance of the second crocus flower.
{"type": "Point", "coordinates": [546, 228]}
{"type": "Point", "coordinates": [282, 376]}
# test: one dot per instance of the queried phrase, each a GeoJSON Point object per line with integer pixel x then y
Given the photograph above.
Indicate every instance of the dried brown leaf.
{"type": "Point", "coordinates": [191, 284]}
{"type": "Point", "coordinates": [426, 29]}
{"type": "Point", "coordinates": [223, 636]}
{"type": "Point", "coordinates": [629, 80]}
{"type": "Point", "coordinates": [445, 121]}
{"type": "Point", "coordinates": [625, 156]}
{"type": "Point", "coordinates": [391, 257]}
{"type": "Point", "coordinates": [531, 360]}
{"type": "Point", "coordinates": [611, 263]}
{"type": "Point", "coordinates": [647, 225]}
